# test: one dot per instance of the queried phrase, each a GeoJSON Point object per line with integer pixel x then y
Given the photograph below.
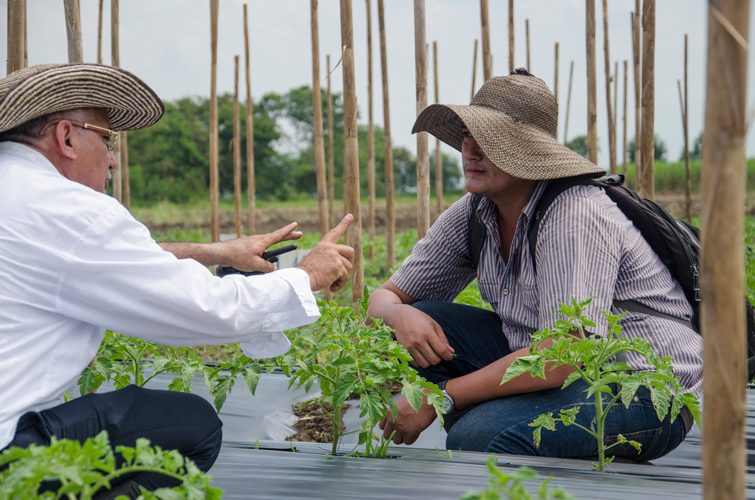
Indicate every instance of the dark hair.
{"type": "Point", "coordinates": [32, 128]}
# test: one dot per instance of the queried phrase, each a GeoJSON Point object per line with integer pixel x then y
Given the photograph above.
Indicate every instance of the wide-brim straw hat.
{"type": "Point", "coordinates": [48, 88]}
{"type": "Point", "coordinates": [514, 120]}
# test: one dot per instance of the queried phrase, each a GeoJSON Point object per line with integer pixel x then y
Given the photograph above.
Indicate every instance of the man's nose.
{"type": "Point", "coordinates": [470, 150]}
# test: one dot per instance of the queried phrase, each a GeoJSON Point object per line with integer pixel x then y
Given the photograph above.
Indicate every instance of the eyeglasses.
{"type": "Point", "coordinates": [110, 136]}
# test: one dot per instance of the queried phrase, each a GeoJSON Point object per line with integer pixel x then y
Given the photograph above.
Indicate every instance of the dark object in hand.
{"type": "Point", "coordinates": [270, 256]}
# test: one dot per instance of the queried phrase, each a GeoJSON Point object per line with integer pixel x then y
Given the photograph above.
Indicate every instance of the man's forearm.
{"type": "Point", "coordinates": [204, 253]}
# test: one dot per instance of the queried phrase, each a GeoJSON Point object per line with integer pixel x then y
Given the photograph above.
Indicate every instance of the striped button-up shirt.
{"type": "Point", "coordinates": [586, 247]}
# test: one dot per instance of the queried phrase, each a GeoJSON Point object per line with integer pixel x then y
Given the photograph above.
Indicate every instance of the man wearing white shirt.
{"type": "Point", "coordinates": [74, 262]}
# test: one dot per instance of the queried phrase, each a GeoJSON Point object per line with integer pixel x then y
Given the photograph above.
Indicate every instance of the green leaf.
{"type": "Point", "coordinates": [629, 388]}
{"type": "Point", "coordinates": [660, 398]}
{"type": "Point", "coordinates": [413, 393]}
{"type": "Point", "coordinates": [343, 389]}
{"type": "Point", "coordinates": [220, 389]}
{"type": "Point", "coordinates": [371, 406]}
{"type": "Point", "coordinates": [251, 375]}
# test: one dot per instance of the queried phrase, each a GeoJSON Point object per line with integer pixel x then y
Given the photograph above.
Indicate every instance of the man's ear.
{"type": "Point", "coordinates": [66, 140]}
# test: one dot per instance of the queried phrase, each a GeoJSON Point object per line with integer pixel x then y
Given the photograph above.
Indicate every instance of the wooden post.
{"type": "Point", "coordinates": [390, 220]}
{"type": "Point", "coordinates": [423, 159]}
{"type": "Point", "coordinates": [73, 31]}
{"type": "Point", "coordinates": [351, 152]}
{"type": "Point", "coordinates": [688, 197]}
{"type": "Point", "coordinates": [115, 61]}
{"type": "Point", "coordinates": [647, 143]}
{"type": "Point", "coordinates": [592, 83]}
{"type": "Point", "coordinates": [331, 156]}
{"type": "Point", "coordinates": [722, 258]}
{"type": "Point", "coordinates": [568, 104]}
{"type": "Point", "coordinates": [527, 37]}
{"type": "Point", "coordinates": [555, 75]}
{"type": "Point", "coordinates": [474, 68]}
{"type": "Point", "coordinates": [26, 39]}
{"type": "Point", "coordinates": [370, 139]}
{"type": "Point", "coordinates": [16, 35]}
{"type": "Point", "coordinates": [438, 159]}
{"type": "Point", "coordinates": [322, 195]}
{"type": "Point", "coordinates": [214, 187]}
{"type": "Point", "coordinates": [487, 60]}
{"type": "Point", "coordinates": [511, 36]}
{"type": "Point", "coordinates": [236, 146]}
{"type": "Point", "coordinates": [99, 33]}
{"type": "Point", "coordinates": [251, 183]}
{"type": "Point", "coordinates": [624, 149]}
{"type": "Point", "coordinates": [637, 100]}
{"type": "Point", "coordinates": [616, 105]}
{"type": "Point", "coordinates": [609, 106]}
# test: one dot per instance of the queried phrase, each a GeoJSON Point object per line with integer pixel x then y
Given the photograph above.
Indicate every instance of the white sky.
{"type": "Point", "coordinates": [167, 44]}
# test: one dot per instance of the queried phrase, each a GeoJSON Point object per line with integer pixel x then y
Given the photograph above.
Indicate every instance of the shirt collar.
{"type": "Point", "coordinates": [487, 210]}
{"type": "Point", "coordinates": [27, 153]}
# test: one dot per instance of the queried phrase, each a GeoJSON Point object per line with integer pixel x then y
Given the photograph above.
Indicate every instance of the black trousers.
{"type": "Point", "coordinates": [171, 420]}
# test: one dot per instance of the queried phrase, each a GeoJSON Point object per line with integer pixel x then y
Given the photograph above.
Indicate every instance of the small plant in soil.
{"type": "Point", "coordinates": [510, 485]}
{"type": "Point", "coordinates": [594, 360]}
{"type": "Point", "coordinates": [85, 469]}
{"type": "Point", "coordinates": [349, 357]}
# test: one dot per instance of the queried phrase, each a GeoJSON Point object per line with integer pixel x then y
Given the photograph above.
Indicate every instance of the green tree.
{"type": "Point", "coordinates": [660, 150]}
{"type": "Point", "coordinates": [578, 145]}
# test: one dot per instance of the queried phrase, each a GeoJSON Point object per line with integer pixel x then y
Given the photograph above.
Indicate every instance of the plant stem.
{"type": "Point", "coordinates": [336, 429]}
{"type": "Point", "coordinates": [600, 420]}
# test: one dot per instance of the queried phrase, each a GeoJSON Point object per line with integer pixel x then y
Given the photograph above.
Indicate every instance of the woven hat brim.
{"type": "Point", "coordinates": [519, 149]}
{"type": "Point", "coordinates": [40, 90]}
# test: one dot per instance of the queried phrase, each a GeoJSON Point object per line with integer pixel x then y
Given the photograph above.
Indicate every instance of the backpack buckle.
{"type": "Point", "coordinates": [696, 281]}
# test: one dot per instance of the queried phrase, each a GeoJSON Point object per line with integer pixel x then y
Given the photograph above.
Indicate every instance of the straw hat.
{"type": "Point", "coordinates": [513, 119]}
{"type": "Point", "coordinates": [48, 88]}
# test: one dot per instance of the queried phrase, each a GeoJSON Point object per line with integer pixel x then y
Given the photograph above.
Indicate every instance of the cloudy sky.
{"type": "Point", "coordinates": [167, 44]}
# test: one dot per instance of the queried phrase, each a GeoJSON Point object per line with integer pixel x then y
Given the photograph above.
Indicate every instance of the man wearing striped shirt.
{"type": "Point", "coordinates": [586, 247]}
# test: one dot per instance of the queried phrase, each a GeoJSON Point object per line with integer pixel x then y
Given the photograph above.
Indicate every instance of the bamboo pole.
{"type": "Point", "coordinates": [527, 37]}
{"type": "Point", "coordinates": [438, 158]}
{"type": "Point", "coordinates": [423, 159]}
{"type": "Point", "coordinates": [722, 257]}
{"type": "Point", "coordinates": [568, 103]}
{"type": "Point", "coordinates": [214, 188]}
{"type": "Point", "coordinates": [616, 105]}
{"type": "Point", "coordinates": [624, 149]}
{"type": "Point", "coordinates": [370, 139]}
{"type": "Point", "coordinates": [16, 35]}
{"type": "Point", "coordinates": [592, 83]}
{"type": "Point", "coordinates": [474, 68]}
{"type": "Point", "coordinates": [390, 220]}
{"type": "Point", "coordinates": [73, 31]}
{"type": "Point", "coordinates": [115, 61]}
{"type": "Point", "coordinates": [511, 36]}
{"type": "Point", "coordinates": [26, 39]}
{"type": "Point", "coordinates": [331, 156]}
{"type": "Point", "coordinates": [487, 60]}
{"type": "Point", "coordinates": [555, 75]}
{"type": "Point", "coordinates": [99, 33]}
{"type": "Point", "coordinates": [648, 99]}
{"type": "Point", "coordinates": [351, 152]}
{"type": "Point", "coordinates": [236, 146]}
{"type": "Point", "coordinates": [637, 100]}
{"type": "Point", "coordinates": [609, 106]}
{"type": "Point", "coordinates": [251, 182]}
{"type": "Point", "coordinates": [688, 194]}
{"type": "Point", "coordinates": [322, 195]}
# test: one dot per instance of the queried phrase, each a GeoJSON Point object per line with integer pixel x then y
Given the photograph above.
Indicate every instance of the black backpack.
{"type": "Point", "coordinates": [676, 242]}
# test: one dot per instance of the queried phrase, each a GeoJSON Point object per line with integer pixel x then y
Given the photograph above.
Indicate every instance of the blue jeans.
{"type": "Point", "coordinates": [171, 420]}
{"type": "Point", "coordinates": [501, 425]}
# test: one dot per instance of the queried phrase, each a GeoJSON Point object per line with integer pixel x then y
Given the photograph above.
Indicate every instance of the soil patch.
{"type": "Point", "coordinates": [314, 426]}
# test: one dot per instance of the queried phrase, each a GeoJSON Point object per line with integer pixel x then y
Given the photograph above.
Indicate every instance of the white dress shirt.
{"type": "Point", "coordinates": [74, 262]}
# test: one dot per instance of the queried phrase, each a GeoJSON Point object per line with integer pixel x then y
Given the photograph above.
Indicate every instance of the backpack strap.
{"type": "Point", "coordinates": [477, 232]}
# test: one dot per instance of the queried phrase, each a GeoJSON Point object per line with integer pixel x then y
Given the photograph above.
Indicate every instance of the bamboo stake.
{"type": "Point", "coordinates": [115, 61]}
{"type": "Point", "coordinates": [214, 188]}
{"type": "Point", "coordinates": [637, 100]}
{"type": "Point", "coordinates": [511, 36]}
{"type": "Point", "coordinates": [474, 68]}
{"type": "Point", "coordinates": [568, 103]}
{"type": "Point", "coordinates": [555, 73]}
{"type": "Point", "coordinates": [331, 156]}
{"type": "Point", "coordinates": [609, 106]}
{"type": "Point", "coordinates": [390, 221]}
{"type": "Point", "coordinates": [438, 158]}
{"type": "Point", "coordinates": [722, 258]}
{"type": "Point", "coordinates": [236, 146]}
{"type": "Point", "coordinates": [592, 82]}
{"type": "Point", "coordinates": [73, 31]}
{"type": "Point", "coordinates": [648, 99]}
{"type": "Point", "coordinates": [16, 36]}
{"type": "Point", "coordinates": [351, 152]}
{"type": "Point", "coordinates": [686, 136]}
{"type": "Point", "coordinates": [527, 36]}
{"type": "Point", "coordinates": [624, 150]}
{"type": "Point", "coordinates": [370, 139]}
{"type": "Point", "coordinates": [26, 39]}
{"type": "Point", "coordinates": [487, 61]}
{"type": "Point", "coordinates": [423, 159]}
{"type": "Point", "coordinates": [616, 104]}
{"type": "Point", "coordinates": [99, 34]}
{"type": "Point", "coordinates": [687, 194]}
{"type": "Point", "coordinates": [322, 195]}
{"type": "Point", "coordinates": [250, 177]}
